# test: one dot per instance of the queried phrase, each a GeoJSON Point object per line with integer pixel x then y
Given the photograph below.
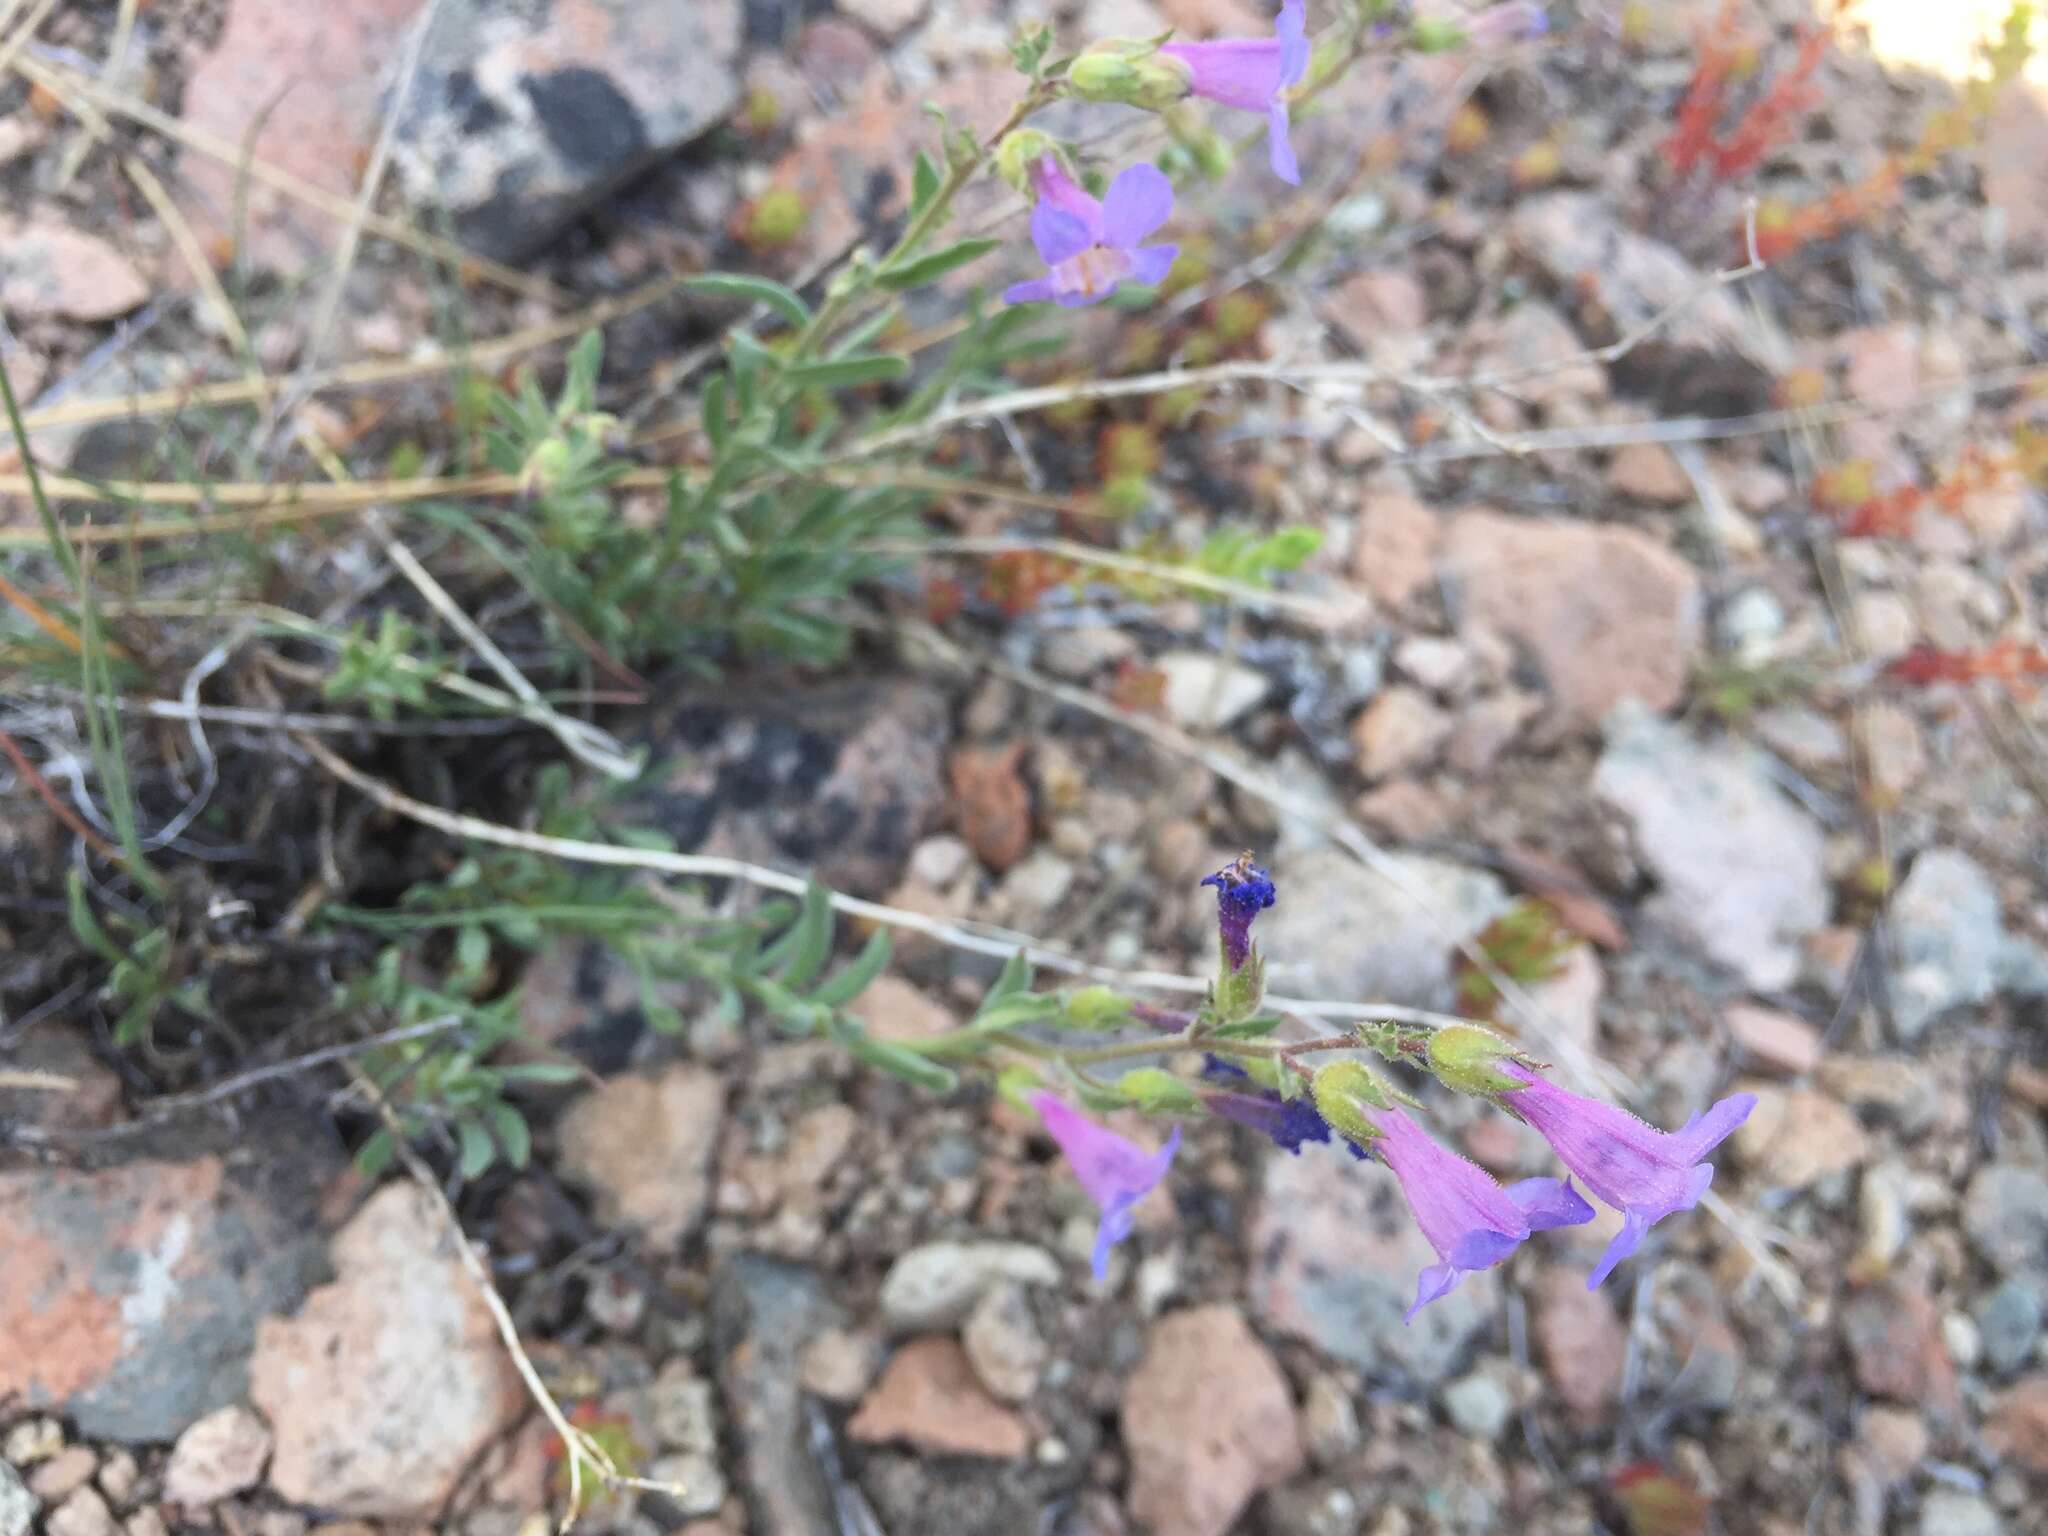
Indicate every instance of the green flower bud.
{"type": "Point", "coordinates": [545, 467]}
{"type": "Point", "coordinates": [1467, 1058]}
{"type": "Point", "coordinates": [1434, 35]}
{"type": "Point", "coordinates": [1210, 150]}
{"type": "Point", "coordinates": [1097, 1008]}
{"type": "Point", "coordinates": [1134, 73]}
{"type": "Point", "coordinates": [1344, 1091]}
{"type": "Point", "coordinates": [1018, 154]}
{"type": "Point", "coordinates": [1156, 1090]}
{"type": "Point", "coordinates": [1015, 1084]}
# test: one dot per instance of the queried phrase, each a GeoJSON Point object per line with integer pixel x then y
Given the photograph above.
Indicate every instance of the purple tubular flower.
{"type": "Point", "coordinates": [1472, 1222]}
{"type": "Point", "coordinates": [1644, 1173]}
{"type": "Point", "coordinates": [1243, 891]}
{"type": "Point", "coordinates": [1288, 1123]}
{"type": "Point", "coordinates": [1090, 247]}
{"type": "Point", "coordinates": [1115, 1171]}
{"type": "Point", "coordinates": [1254, 74]}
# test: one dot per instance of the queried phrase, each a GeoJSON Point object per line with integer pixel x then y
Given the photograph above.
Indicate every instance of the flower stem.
{"type": "Point", "coordinates": [840, 293]}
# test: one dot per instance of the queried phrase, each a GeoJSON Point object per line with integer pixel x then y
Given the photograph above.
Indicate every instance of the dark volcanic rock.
{"type": "Point", "coordinates": [839, 781]}
{"type": "Point", "coordinates": [141, 1286]}
{"type": "Point", "coordinates": [762, 1313]}
{"type": "Point", "coordinates": [516, 126]}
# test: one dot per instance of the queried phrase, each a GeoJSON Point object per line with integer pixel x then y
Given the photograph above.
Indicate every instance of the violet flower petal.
{"type": "Point", "coordinates": [1243, 891]}
{"type": "Point", "coordinates": [1469, 1220]}
{"type": "Point", "coordinates": [1151, 263]}
{"type": "Point", "coordinates": [1115, 1171]}
{"type": "Point", "coordinates": [1290, 27]}
{"type": "Point", "coordinates": [1059, 235]}
{"type": "Point", "coordinates": [1280, 145]}
{"type": "Point", "coordinates": [1241, 72]}
{"type": "Point", "coordinates": [1038, 290]}
{"type": "Point", "coordinates": [1548, 1203]}
{"type": "Point", "coordinates": [1137, 203]}
{"type": "Point", "coordinates": [1644, 1173]}
{"type": "Point", "coordinates": [1055, 187]}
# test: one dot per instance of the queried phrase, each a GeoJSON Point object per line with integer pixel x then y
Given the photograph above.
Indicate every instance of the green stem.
{"type": "Point", "coordinates": [840, 293]}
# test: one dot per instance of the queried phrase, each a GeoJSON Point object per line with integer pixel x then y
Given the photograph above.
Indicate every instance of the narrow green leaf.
{"type": "Point", "coordinates": [376, 1154]}
{"type": "Point", "coordinates": [752, 290]}
{"type": "Point", "coordinates": [887, 1056]}
{"type": "Point", "coordinates": [929, 269]}
{"type": "Point", "coordinates": [795, 958]}
{"type": "Point", "coordinates": [924, 183]}
{"type": "Point", "coordinates": [478, 1150]}
{"type": "Point", "coordinates": [846, 372]}
{"type": "Point", "coordinates": [852, 978]}
{"type": "Point", "coordinates": [715, 424]}
{"type": "Point", "coordinates": [1015, 976]}
{"type": "Point", "coordinates": [513, 1134]}
{"type": "Point", "coordinates": [540, 1072]}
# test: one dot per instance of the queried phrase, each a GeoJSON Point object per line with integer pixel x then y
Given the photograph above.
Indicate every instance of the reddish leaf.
{"type": "Point", "coordinates": [1657, 1503]}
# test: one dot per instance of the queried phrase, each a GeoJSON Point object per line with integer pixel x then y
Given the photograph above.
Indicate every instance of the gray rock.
{"type": "Point", "coordinates": [684, 1413]}
{"type": "Point", "coordinates": [702, 1485]}
{"type": "Point", "coordinates": [1952, 1512]}
{"type": "Point", "coordinates": [523, 118]}
{"type": "Point", "coordinates": [146, 1281]}
{"type": "Point", "coordinates": [1311, 1509]}
{"type": "Point", "coordinates": [2009, 1321]}
{"type": "Point", "coordinates": [1003, 1342]}
{"type": "Point", "coordinates": [2005, 1213]}
{"type": "Point", "coordinates": [1337, 1256]}
{"type": "Point", "coordinates": [840, 779]}
{"type": "Point", "coordinates": [1205, 693]}
{"type": "Point", "coordinates": [1339, 930]}
{"type": "Point", "coordinates": [1479, 1404]}
{"type": "Point", "coordinates": [223, 1453]}
{"type": "Point", "coordinates": [937, 1285]}
{"type": "Point", "coordinates": [17, 1505]}
{"type": "Point", "coordinates": [1950, 941]}
{"type": "Point", "coordinates": [1738, 864]}
{"type": "Point", "coordinates": [762, 1311]}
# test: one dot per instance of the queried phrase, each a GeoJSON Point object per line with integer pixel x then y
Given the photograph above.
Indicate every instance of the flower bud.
{"type": "Point", "coordinates": [1134, 73]}
{"type": "Point", "coordinates": [1468, 1058]}
{"type": "Point", "coordinates": [1097, 1008]}
{"type": "Point", "coordinates": [545, 467]}
{"type": "Point", "coordinates": [1432, 34]}
{"type": "Point", "coordinates": [1345, 1092]}
{"type": "Point", "coordinates": [1156, 1091]}
{"type": "Point", "coordinates": [1018, 154]}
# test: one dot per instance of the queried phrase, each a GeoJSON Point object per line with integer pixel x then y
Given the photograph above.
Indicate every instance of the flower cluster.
{"type": "Point", "coordinates": [1091, 247]}
{"type": "Point", "coordinates": [1471, 1221]}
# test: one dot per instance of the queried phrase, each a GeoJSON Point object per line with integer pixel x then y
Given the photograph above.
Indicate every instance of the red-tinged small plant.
{"type": "Point", "coordinates": [1848, 494]}
{"type": "Point", "coordinates": [2012, 663]}
{"type": "Point", "coordinates": [611, 1433]}
{"type": "Point", "coordinates": [1528, 944]}
{"type": "Point", "coordinates": [943, 599]}
{"type": "Point", "coordinates": [1017, 580]}
{"type": "Point", "coordinates": [1696, 143]}
{"type": "Point", "coordinates": [1782, 227]}
{"type": "Point", "coordinates": [1656, 1502]}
